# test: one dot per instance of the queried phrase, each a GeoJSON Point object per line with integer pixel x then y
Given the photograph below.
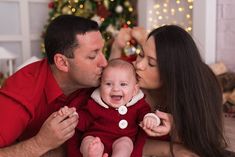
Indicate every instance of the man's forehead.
{"type": "Point", "coordinates": [90, 37]}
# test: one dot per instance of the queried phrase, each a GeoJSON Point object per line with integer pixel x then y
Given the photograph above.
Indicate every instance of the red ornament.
{"type": "Point", "coordinates": [125, 25]}
{"type": "Point", "coordinates": [133, 42]}
{"type": "Point", "coordinates": [102, 11]}
{"type": "Point", "coordinates": [51, 5]}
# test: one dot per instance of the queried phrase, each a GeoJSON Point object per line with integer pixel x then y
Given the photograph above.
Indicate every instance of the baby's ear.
{"type": "Point", "coordinates": [136, 90]}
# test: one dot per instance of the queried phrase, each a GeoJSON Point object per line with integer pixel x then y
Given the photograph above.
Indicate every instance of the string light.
{"type": "Point", "coordinates": [177, 12]}
{"type": "Point", "coordinates": [130, 9]}
{"type": "Point", "coordinates": [81, 6]}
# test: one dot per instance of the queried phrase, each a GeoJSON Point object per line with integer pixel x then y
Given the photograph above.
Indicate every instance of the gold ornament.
{"type": "Point", "coordinates": [130, 49]}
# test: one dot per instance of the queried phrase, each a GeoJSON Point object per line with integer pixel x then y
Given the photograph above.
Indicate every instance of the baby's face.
{"type": "Point", "coordinates": [118, 86]}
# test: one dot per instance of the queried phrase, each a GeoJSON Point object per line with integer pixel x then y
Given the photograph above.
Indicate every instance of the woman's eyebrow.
{"type": "Point", "coordinates": [152, 58]}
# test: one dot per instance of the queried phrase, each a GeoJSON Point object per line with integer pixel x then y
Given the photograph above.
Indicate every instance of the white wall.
{"type": "Point", "coordinates": [225, 49]}
{"type": "Point", "coordinates": [21, 26]}
{"type": "Point", "coordinates": [204, 28]}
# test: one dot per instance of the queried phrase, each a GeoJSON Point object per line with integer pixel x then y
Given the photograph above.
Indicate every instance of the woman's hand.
{"type": "Point", "coordinates": [124, 35]}
{"type": "Point", "coordinates": [164, 128]}
{"type": "Point", "coordinates": [139, 34]}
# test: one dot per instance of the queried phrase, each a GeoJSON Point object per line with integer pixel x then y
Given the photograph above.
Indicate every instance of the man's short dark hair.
{"type": "Point", "coordinates": [61, 34]}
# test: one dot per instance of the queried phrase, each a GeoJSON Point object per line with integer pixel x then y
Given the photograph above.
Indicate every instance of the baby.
{"type": "Point", "coordinates": [112, 116]}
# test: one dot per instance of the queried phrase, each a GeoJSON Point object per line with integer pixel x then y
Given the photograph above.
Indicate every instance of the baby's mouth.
{"type": "Point", "coordinates": [116, 97]}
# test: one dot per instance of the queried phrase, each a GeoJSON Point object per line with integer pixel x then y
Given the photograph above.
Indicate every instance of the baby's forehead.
{"type": "Point", "coordinates": [119, 69]}
{"type": "Point", "coordinates": [125, 73]}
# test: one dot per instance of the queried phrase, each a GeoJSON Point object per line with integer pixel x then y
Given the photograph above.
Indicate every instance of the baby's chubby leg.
{"type": "Point", "coordinates": [122, 147]}
{"type": "Point", "coordinates": [92, 147]}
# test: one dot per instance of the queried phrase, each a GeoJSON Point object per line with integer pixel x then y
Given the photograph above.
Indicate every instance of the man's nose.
{"type": "Point", "coordinates": [103, 62]}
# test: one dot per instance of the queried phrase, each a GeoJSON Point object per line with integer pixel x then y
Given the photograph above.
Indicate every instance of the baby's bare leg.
{"type": "Point", "coordinates": [122, 147]}
{"type": "Point", "coordinates": [92, 147]}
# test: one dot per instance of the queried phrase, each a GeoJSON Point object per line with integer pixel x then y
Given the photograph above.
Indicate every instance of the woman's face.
{"type": "Point", "coordinates": [147, 67]}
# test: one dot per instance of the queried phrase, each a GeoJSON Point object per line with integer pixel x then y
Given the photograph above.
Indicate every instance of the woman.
{"type": "Point", "coordinates": [178, 82]}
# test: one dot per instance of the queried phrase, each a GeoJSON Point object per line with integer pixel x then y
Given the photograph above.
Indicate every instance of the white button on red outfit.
{"type": "Point", "coordinates": [123, 124]}
{"type": "Point", "coordinates": [122, 110]}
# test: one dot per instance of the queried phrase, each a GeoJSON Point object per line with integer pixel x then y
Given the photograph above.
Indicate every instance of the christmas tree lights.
{"type": "Point", "coordinates": [177, 12]}
{"type": "Point", "coordinates": [111, 15]}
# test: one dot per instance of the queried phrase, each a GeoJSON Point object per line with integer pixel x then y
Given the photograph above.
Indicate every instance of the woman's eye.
{"type": "Point", "coordinates": [152, 62]}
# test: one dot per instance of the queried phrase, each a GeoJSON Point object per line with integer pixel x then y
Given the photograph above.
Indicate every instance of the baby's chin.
{"type": "Point", "coordinates": [116, 105]}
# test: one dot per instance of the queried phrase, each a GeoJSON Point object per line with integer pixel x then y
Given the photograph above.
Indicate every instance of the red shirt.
{"type": "Point", "coordinates": [27, 98]}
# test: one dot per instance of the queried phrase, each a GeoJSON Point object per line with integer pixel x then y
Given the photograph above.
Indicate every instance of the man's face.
{"type": "Point", "coordinates": [86, 67]}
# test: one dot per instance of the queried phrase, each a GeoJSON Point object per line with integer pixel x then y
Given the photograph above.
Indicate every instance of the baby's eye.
{"type": "Point", "coordinates": [108, 83]}
{"type": "Point", "coordinates": [123, 84]}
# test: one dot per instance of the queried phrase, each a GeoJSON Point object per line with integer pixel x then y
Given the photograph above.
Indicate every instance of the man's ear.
{"type": "Point", "coordinates": [61, 62]}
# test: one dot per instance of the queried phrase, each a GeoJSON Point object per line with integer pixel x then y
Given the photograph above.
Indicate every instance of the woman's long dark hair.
{"type": "Point", "coordinates": [193, 94]}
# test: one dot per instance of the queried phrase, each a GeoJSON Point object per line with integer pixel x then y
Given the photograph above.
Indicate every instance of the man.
{"type": "Point", "coordinates": [30, 97]}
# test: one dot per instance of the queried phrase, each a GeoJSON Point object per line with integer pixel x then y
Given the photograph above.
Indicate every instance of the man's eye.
{"type": "Point", "coordinates": [92, 57]}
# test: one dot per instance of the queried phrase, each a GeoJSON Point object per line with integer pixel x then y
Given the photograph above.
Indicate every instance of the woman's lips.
{"type": "Point", "coordinates": [138, 77]}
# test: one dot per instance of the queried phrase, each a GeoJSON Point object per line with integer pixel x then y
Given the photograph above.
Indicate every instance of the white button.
{"type": "Point", "coordinates": [123, 124]}
{"type": "Point", "coordinates": [122, 110]}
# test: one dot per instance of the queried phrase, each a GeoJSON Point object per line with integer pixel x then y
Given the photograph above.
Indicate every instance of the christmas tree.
{"type": "Point", "coordinates": [111, 15]}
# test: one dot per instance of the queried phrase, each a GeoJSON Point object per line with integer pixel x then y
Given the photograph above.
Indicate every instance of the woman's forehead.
{"type": "Point", "coordinates": [149, 48]}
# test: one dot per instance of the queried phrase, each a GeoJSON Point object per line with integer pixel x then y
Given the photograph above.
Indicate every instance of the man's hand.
{"type": "Point", "coordinates": [54, 132]}
{"type": "Point", "coordinates": [57, 129]}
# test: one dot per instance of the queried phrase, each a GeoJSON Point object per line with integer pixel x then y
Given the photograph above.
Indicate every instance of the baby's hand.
{"type": "Point", "coordinates": [64, 110]}
{"type": "Point", "coordinates": [150, 121]}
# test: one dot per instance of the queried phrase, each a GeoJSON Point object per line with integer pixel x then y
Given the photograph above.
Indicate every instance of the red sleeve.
{"type": "Point", "coordinates": [73, 145]}
{"type": "Point", "coordinates": [139, 144]}
{"type": "Point", "coordinates": [85, 119]}
{"type": "Point", "coordinates": [13, 119]}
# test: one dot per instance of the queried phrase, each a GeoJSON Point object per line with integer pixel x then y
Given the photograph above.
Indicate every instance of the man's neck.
{"type": "Point", "coordinates": [66, 85]}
